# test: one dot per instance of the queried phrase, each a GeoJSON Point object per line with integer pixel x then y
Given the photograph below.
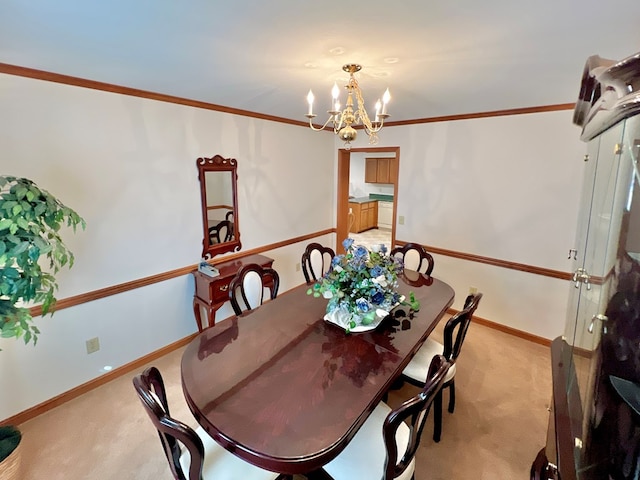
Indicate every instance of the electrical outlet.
{"type": "Point", "coordinates": [93, 345]}
{"type": "Point", "coordinates": [297, 267]}
{"type": "Point", "coordinates": [401, 219]}
{"type": "Point", "coordinates": [473, 290]}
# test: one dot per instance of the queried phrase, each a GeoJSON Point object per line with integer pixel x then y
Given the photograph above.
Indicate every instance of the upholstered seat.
{"type": "Point", "coordinates": [192, 454]}
{"type": "Point", "coordinates": [316, 261]}
{"type": "Point", "coordinates": [455, 332]}
{"type": "Point", "coordinates": [385, 446]}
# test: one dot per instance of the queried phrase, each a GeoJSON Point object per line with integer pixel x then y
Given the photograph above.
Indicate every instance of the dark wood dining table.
{"type": "Point", "coordinates": [285, 390]}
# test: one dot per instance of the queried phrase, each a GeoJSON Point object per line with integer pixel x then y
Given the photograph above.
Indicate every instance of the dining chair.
{"type": "Point", "coordinates": [455, 332]}
{"type": "Point", "coordinates": [222, 232]}
{"type": "Point", "coordinates": [247, 289]}
{"type": "Point", "coordinates": [316, 261]}
{"type": "Point", "coordinates": [229, 218]}
{"type": "Point", "coordinates": [414, 257]}
{"type": "Point", "coordinates": [192, 454]}
{"type": "Point", "coordinates": [385, 446]}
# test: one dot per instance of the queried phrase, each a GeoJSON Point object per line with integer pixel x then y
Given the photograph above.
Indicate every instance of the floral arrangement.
{"type": "Point", "coordinates": [359, 283]}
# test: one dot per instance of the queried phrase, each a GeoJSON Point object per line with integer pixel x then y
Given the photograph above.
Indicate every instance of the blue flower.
{"type": "Point", "coordinates": [347, 242]}
{"type": "Point", "coordinates": [376, 271]}
{"type": "Point", "coordinates": [362, 304]}
{"type": "Point", "coordinates": [360, 252]}
{"type": "Point", "coordinates": [377, 298]}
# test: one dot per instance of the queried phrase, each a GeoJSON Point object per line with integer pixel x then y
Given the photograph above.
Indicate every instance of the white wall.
{"type": "Point", "coordinates": [503, 187]}
{"type": "Point", "coordinates": [500, 187]}
{"type": "Point", "coordinates": [128, 166]}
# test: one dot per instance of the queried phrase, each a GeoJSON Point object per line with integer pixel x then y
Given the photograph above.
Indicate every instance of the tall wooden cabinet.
{"type": "Point", "coordinates": [594, 424]}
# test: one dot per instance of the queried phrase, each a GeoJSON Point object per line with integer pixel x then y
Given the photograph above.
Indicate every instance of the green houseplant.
{"type": "Point", "coordinates": [31, 253]}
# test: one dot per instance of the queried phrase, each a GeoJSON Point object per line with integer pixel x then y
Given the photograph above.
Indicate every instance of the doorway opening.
{"type": "Point", "coordinates": [348, 187]}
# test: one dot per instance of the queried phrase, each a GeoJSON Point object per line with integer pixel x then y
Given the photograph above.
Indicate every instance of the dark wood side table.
{"type": "Point", "coordinates": [212, 292]}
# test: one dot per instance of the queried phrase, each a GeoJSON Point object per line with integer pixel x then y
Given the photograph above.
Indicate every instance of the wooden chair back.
{"type": "Point", "coordinates": [316, 261]}
{"type": "Point", "coordinates": [150, 388]}
{"type": "Point", "coordinates": [247, 289]}
{"type": "Point", "coordinates": [456, 328]}
{"type": "Point", "coordinates": [414, 413]}
{"type": "Point", "coordinates": [222, 232]}
{"type": "Point", "coordinates": [415, 257]}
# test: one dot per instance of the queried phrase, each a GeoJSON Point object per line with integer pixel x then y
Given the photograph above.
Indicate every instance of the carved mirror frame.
{"type": "Point", "coordinates": [207, 167]}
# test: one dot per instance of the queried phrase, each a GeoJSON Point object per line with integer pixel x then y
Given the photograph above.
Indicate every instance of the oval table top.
{"type": "Point", "coordinates": [285, 390]}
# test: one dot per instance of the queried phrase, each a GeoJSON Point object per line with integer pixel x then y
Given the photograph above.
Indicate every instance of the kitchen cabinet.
{"type": "Point", "coordinates": [380, 170]}
{"type": "Point", "coordinates": [365, 216]}
{"type": "Point", "coordinates": [594, 423]}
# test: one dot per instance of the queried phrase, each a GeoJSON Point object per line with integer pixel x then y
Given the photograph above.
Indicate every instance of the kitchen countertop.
{"type": "Point", "coordinates": [372, 198]}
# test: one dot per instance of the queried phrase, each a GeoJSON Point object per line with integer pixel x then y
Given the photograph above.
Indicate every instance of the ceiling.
{"type": "Point", "coordinates": [437, 58]}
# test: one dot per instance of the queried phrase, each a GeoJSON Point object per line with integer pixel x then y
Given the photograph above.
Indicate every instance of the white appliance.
{"type": "Point", "coordinates": [385, 214]}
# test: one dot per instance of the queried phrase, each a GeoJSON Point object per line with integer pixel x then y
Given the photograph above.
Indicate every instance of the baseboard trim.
{"type": "Point", "coordinates": [505, 329]}
{"type": "Point", "coordinates": [91, 384]}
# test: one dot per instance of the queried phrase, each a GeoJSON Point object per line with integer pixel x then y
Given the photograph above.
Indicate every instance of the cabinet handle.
{"type": "Point", "coordinates": [602, 318]}
{"type": "Point", "coordinates": [224, 288]}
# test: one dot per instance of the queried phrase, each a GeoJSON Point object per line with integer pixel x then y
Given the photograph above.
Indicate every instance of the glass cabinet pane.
{"type": "Point", "coordinates": [605, 333]}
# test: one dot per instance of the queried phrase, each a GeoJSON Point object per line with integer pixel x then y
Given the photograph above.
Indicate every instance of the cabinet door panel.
{"type": "Point", "coordinates": [383, 170]}
{"type": "Point", "coordinates": [371, 170]}
{"type": "Point", "coordinates": [393, 170]}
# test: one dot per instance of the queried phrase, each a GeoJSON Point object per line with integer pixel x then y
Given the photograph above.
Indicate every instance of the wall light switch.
{"type": "Point", "coordinates": [401, 219]}
{"type": "Point", "coordinates": [93, 345]}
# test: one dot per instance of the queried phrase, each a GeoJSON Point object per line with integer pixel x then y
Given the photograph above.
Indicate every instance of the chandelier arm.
{"type": "Point", "coordinates": [323, 126]}
{"type": "Point", "coordinates": [338, 126]}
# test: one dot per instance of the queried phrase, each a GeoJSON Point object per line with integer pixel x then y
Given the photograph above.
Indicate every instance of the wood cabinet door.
{"type": "Point", "coordinates": [393, 170]}
{"type": "Point", "coordinates": [355, 210]}
{"type": "Point", "coordinates": [364, 219]}
{"type": "Point", "coordinates": [371, 170]}
{"type": "Point", "coordinates": [372, 215]}
{"type": "Point", "coordinates": [383, 170]}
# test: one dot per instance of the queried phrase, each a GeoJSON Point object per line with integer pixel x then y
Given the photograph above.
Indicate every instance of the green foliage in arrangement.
{"type": "Point", "coordinates": [30, 223]}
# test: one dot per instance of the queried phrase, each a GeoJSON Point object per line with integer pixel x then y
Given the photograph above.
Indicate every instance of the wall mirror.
{"type": "Point", "coordinates": [219, 197]}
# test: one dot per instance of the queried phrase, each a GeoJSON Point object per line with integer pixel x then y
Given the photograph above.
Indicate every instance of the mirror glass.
{"type": "Point", "coordinates": [218, 194]}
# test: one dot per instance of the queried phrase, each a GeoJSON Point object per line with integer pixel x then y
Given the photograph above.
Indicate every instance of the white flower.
{"type": "Point", "coordinates": [327, 294]}
{"type": "Point", "coordinates": [338, 268]}
{"type": "Point", "coordinates": [380, 280]}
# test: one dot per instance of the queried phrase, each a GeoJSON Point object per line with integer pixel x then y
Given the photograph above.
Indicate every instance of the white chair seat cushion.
{"type": "Point", "coordinates": [220, 464]}
{"type": "Point", "coordinates": [418, 367]}
{"type": "Point", "coordinates": [364, 456]}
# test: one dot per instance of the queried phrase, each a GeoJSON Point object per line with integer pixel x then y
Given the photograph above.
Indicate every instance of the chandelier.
{"type": "Point", "coordinates": [342, 121]}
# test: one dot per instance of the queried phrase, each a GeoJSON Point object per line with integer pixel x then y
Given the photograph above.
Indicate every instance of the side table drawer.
{"type": "Point", "coordinates": [220, 290]}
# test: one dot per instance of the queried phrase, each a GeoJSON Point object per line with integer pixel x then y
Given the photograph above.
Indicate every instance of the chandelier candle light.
{"type": "Point", "coordinates": [343, 120]}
